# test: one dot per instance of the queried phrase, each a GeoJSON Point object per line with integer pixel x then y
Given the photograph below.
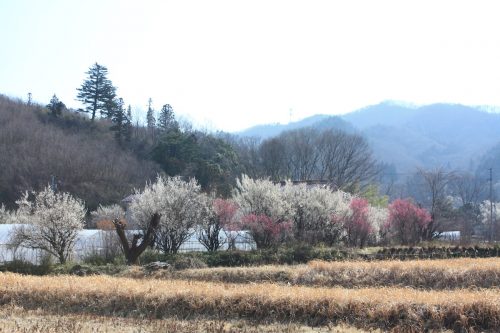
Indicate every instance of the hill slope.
{"type": "Point", "coordinates": [82, 156]}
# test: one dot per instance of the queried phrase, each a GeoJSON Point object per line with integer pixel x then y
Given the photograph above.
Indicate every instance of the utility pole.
{"type": "Point", "coordinates": [491, 205]}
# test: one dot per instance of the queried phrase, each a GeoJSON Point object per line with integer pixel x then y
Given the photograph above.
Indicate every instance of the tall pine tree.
{"type": "Point", "coordinates": [120, 122]}
{"type": "Point", "coordinates": [150, 119]}
{"type": "Point", "coordinates": [97, 92]}
{"type": "Point", "coordinates": [55, 106]}
{"type": "Point", "coordinates": [166, 120]}
{"type": "Point", "coordinates": [128, 124]}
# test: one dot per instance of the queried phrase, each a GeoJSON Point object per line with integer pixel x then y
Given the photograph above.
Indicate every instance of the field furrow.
{"type": "Point", "coordinates": [443, 274]}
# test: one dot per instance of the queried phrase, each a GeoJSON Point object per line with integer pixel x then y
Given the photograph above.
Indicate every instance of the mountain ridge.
{"type": "Point", "coordinates": [410, 136]}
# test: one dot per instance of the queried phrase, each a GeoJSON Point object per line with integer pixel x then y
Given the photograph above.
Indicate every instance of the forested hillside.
{"type": "Point", "coordinates": [88, 159]}
{"type": "Point", "coordinates": [82, 156]}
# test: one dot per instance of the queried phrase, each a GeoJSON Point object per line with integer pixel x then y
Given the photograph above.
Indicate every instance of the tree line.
{"type": "Point", "coordinates": [169, 210]}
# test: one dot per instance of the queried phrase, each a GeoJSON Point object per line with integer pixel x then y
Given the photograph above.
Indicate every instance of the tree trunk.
{"type": "Point", "coordinates": [134, 250]}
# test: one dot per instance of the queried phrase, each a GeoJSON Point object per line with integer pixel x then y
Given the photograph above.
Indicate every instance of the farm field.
{"type": "Point", "coordinates": [215, 303]}
{"type": "Point", "coordinates": [17, 320]}
{"type": "Point", "coordinates": [422, 274]}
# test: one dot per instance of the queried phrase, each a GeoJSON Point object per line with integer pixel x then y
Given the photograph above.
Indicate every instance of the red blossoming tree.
{"type": "Point", "coordinates": [407, 221]}
{"type": "Point", "coordinates": [357, 224]}
{"type": "Point", "coordinates": [226, 211]}
{"type": "Point", "coordinates": [220, 219]}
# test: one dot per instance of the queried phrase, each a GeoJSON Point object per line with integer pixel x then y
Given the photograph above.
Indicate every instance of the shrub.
{"type": "Point", "coordinates": [25, 267]}
{"type": "Point", "coordinates": [188, 262]}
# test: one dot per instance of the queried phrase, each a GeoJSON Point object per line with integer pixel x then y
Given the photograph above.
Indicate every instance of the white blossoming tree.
{"type": "Point", "coordinates": [266, 214]}
{"type": "Point", "coordinates": [378, 217]}
{"type": "Point", "coordinates": [50, 222]}
{"type": "Point", "coordinates": [180, 205]}
{"type": "Point", "coordinates": [146, 210]}
{"type": "Point", "coordinates": [488, 219]}
{"type": "Point", "coordinates": [5, 215]}
{"type": "Point", "coordinates": [262, 197]}
{"type": "Point", "coordinates": [315, 212]}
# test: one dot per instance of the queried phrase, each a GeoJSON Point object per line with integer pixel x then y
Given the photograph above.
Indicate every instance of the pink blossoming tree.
{"type": "Point", "coordinates": [407, 222]}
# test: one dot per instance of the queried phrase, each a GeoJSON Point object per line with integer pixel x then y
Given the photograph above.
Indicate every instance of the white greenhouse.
{"type": "Point", "coordinates": [94, 241]}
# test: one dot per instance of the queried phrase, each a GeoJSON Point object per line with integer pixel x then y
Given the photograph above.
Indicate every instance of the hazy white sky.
{"type": "Point", "coordinates": [232, 64]}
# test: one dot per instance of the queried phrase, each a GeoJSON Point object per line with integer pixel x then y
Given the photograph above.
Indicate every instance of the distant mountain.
{"type": "Point", "coordinates": [448, 135]}
{"type": "Point", "coordinates": [320, 121]}
{"type": "Point", "coordinates": [386, 113]}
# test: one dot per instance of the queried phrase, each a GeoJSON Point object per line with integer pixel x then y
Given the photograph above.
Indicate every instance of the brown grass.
{"type": "Point", "coordinates": [18, 320]}
{"type": "Point", "coordinates": [403, 309]}
{"type": "Point", "coordinates": [423, 274]}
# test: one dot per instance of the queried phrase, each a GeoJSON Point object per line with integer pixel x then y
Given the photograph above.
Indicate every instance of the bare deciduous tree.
{"type": "Point", "coordinates": [467, 187]}
{"type": "Point", "coordinates": [429, 188]}
{"type": "Point", "coordinates": [301, 152]}
{"type": "Point", "coordinates": [344, 160]}
{"type": "Point", "coordinates": [274, 160]}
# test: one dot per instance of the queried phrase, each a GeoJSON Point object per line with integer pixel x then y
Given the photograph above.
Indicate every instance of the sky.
{"type": "Point", "coordinates": [229, 65]}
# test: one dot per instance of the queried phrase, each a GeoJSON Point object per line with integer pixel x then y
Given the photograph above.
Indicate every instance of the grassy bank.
{"type": "Point", "coordinates": [424, 274]}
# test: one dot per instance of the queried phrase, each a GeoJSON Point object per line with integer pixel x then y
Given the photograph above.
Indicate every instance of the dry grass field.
{"type": "Point", "coordinates": [18, 320]}
{"type": "Point", "coordinates": [259, 302]}
{"type": "Point", "coordinates": [423, 274]}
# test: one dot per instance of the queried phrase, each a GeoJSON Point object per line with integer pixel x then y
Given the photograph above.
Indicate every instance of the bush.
{"type": "Point", "coordinates": [88, 269]}
{"type": "Point", "coordinates": [187, 262]}
{"type": "Point", "coordinates": [25, 267]}
{"type": "Point", "coordinates": [97, 259]}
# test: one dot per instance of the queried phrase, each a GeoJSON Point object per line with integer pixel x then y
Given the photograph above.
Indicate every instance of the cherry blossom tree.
{"type": "Point", "coordinates": [266, 231]}
{"type": "Point", "coordinates": [5, 215]}
{"type": "Point", "coordinates": [407, 221]}
{"type": "Point", "coordinates": [357, 224]}
{"type": "Point", "coordinates": [378, 217]}
{"type": "Point", "coordinates": [50, 222]}
{"type": "Point", "coordinates": [221, 219]}
{"type": "Point", "coordinates": [180, 205]}
{"type": "Point", "coordinates": [312, 211]}
{"type": "Point", "coordinates": [262, 197]}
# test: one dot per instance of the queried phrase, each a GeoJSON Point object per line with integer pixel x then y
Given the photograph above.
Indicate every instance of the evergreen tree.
{"type": "Point", "coordinates": [150, 119]}
{"type": "Point", "coordinates": [129, 113]}
{"type": "Point", "coordinates": [128, 124]}
{"type": "Point", "coordinates": [119, 120]}
{"type": "Point", "coordinates": [166, 120]}
{"type": "Point", "coordinates": [55, 106]}
{"type": "Point", "coordinates": [97, 92]}
{"type": "Point", "coordinates": [150, 115]}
